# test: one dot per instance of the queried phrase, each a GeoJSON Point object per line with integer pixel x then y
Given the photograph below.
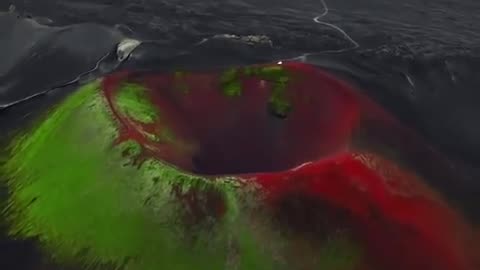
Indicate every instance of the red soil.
{"type": "Point", "coordinates": [356, 158]}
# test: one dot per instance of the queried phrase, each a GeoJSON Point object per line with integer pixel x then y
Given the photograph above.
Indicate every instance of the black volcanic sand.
{"type": "Point", "coordinates": [421, 65]}
{"type": "Point", "coordinates": [419, 59]}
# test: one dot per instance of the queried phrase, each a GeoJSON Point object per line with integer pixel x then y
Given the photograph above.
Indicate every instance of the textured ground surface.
{"type": "Point", "coordinates": [437, 27]}
{"type": "Point", "coordinates": [417, 58]}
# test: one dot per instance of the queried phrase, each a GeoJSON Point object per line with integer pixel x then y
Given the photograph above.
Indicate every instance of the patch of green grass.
{"type": "Point", "coordinates": [231, 83]}
{"type": "Point", "coordinates": [85, 201]}
{"type": "Point", "coordinates": [133, 100]}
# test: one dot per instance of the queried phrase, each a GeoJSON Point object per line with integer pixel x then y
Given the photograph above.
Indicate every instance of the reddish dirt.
{"type": "Point", "coordinates": [357, 159]}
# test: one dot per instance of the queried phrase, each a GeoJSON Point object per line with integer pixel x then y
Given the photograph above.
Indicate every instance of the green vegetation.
{"type": "Point", "coordinates": [231, 83]}
{"type": "Point", "coordinates": [279, 77]}
{"type": "Point", "coordinates": [133, 101]}
{"type": "Point", "coordinates": [86, 201]}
